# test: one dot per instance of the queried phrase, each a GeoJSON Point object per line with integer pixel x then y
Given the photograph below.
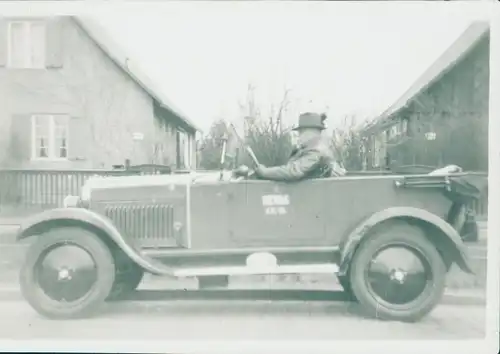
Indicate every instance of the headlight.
{"type": "Point", "coordinates": [87, 188]}
{"type": "Point", "coordinates": [71, 201]}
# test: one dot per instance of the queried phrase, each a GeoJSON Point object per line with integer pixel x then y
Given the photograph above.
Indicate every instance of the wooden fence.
{"type": "Point", "coordinates": [27, 191]}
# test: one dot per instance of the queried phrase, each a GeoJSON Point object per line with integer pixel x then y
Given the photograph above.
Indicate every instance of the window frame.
{"type": "Point", "coordinates": [27, 62]}
{"type": "Point", "coordinates": [52, 148]}
{"type": "Point", "coordinates": [404, 126]}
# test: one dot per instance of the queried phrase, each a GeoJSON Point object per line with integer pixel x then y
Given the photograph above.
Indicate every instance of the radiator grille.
{"type": "Point", "coordinates": [148, 224]}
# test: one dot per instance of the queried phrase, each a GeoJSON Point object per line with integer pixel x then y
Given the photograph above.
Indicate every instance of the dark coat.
{"type": "Point", "coordinates": [313, 159]}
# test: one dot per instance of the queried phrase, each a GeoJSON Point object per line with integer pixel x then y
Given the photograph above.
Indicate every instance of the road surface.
{"type": "Point", "coordinates": [238, 320]}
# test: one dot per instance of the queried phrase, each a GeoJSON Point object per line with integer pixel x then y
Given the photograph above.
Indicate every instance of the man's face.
{"type": "Point", "coordinates": [306, 134]}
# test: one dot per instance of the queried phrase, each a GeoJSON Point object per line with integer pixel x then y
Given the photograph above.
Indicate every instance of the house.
{"type": "Point", "coordinates": [443, 117]}
{"type": "Point", "coordinates": [71, 99]}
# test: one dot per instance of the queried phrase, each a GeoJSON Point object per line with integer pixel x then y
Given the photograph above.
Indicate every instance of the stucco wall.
{"type": "Point", "coordinates": [106, 106]}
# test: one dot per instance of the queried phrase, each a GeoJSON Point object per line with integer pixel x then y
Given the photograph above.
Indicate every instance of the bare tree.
{"type": "Point", "coordinates": [347, 144]}
{"type": "Point", "coordinates": [268, 136]}
{"type": "Point", "coordinates": [211, 145]}
{"type": "Point", "coordinates": [270, 139]}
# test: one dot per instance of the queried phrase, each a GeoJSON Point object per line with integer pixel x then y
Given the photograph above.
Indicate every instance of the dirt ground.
{"type": "Point", "coordinates": [239, 320]}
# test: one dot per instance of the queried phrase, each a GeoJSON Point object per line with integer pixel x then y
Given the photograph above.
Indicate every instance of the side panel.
{"type": "Point", "coordinates": [351, 200]}
{"type": "Point", "coordinates": [210, 214]}
{"type": "Point", "coordinates": [258, 214]}
{"type": "Point", "coordinates": [279, 214]}
{"type": "Point", "coordinates": [319, 212]}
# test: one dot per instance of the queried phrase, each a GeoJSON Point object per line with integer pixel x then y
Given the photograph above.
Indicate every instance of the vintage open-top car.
{"type": "Point", "coordinates": [390, 239]}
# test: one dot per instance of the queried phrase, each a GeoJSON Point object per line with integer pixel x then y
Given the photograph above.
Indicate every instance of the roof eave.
{"type": "Point", "coordinates": [391, 112]}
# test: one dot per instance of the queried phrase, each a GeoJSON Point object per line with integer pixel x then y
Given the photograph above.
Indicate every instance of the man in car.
{"type": "Point", "coordinates": [311, 159]}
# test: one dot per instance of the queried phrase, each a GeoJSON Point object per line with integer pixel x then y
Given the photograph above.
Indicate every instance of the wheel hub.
{"type": "Point", "coordinates": [397, 275]}
{"type": "Point", "coordinates": [64, 274]}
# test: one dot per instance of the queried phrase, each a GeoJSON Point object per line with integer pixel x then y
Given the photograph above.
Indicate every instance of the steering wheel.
{"type": "Point", "coordinates": [250, 175]}
{"type": "Point", "coordinates": [244, 174]}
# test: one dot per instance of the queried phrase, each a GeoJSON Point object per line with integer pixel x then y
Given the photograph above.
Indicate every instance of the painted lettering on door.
{"type": "Point", "coordinates": [275, 204]}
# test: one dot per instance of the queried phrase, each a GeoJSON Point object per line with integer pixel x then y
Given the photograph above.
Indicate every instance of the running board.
{"type": "Point", "coordinates": [262, 270]}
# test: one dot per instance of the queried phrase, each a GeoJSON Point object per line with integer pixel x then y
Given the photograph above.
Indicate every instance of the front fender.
{"type": "Point", "coordinates": [43, 221]}
{"type": "Point", "coordinates": [355, 237]}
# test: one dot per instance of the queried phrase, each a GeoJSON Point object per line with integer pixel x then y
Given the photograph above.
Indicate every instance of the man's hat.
{"type": "Point", "coordinates": [311, 120]}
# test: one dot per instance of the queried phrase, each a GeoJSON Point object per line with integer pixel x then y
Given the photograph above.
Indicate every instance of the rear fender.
{"type": "Point", "coordinates": [445, 236]}
{"type": "Point", "coordinates": [44, 221]}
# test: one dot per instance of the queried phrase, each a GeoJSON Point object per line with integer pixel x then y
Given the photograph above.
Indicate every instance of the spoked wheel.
{"type": "Point", "coordinates": [398, 274]}
{"type": "Point", "coordinates": [127, 278]}
{"type": "Point", "coordinates": [68, 273]}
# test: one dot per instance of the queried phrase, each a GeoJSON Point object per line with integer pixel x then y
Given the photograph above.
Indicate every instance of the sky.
{"type": "Point", "coordinates": [340, 58]}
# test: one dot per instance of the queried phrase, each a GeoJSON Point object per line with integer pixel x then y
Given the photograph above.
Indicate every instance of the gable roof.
{"type": "Point", "coordinates": [447, 61]}
{"type": "Point", "coordinates": [109, 46]}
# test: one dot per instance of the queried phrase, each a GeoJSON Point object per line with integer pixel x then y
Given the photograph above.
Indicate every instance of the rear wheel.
{"type": "Point", "coordinates": [397, 273]}
{"type": "Point", "coordinates": [68, 273]}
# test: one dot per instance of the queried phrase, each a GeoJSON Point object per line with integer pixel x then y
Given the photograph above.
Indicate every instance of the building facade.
{"type": "Point", "coordinates": [443, 118]}
{"type": "Point", "coordinates": [70, 99]}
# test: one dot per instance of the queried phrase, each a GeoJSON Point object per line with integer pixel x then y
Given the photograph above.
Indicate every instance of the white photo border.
{"type": "Point", "coordinates": [486, 10]}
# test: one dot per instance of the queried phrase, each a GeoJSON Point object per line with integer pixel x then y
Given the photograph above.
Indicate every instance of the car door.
{"type": "Point", "coordinates": [279, 214]}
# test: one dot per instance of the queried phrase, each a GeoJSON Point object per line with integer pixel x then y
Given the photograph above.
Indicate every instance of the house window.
{"type": "Point", "coordinates": [395, 130]}
{"type": "Point", "coordinates": [184, 152]}
{"type": "Point", "coordinates": [50, 137]}
{"type": "Point", "coordinates": [404, 126]}
{"type": "Point", "coordinates": [26, 45]}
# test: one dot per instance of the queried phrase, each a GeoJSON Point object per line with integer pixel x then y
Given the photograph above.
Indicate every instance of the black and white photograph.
{"type": "Point", "coordinates": [263, 172]}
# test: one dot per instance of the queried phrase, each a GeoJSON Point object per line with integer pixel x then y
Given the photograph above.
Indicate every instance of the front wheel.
{"type": "Point", "coordinates": [68, 273]}
{"type": "Point", "coordinates": [397, 273]}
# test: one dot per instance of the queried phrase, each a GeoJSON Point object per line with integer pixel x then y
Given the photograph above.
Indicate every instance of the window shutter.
{"type": "Point", "coordinates": [53, 46]}
{"type": "Point", "coordinates": [20, 138]}
{"type": "Point", "coordinates": [78, 139]}
{"type": "Point", "coordinates": [3, 42]}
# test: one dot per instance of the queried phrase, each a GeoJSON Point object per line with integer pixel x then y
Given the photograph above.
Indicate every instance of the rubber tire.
{"type": "Point", "coordinates": [397, 232]}
{"type": "Point", "coordinates": [127, 279]}
{"type": "Point", "coordinates": [90, 304]}
{"type": "Point", "coordinates": [345, 282]}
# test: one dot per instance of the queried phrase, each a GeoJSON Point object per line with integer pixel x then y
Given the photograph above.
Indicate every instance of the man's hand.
{"type": "Point", "coordinates": [241, 171]}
